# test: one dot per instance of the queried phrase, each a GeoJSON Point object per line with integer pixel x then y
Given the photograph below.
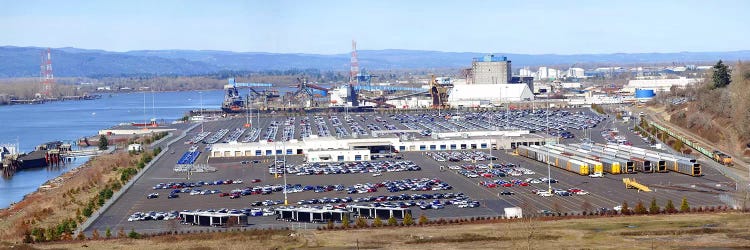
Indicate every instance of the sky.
{"type": "Point", "coordinates": [327, 27]}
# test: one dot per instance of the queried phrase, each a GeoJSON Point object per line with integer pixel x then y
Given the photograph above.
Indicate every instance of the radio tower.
{"type": "Point", "coordinates": [48, 80]}
{"type": "Point", "coordinates": [355, 65]}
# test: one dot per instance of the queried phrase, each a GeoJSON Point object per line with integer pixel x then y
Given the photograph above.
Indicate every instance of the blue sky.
{"type": "Point", "coordinates": [327, 27]}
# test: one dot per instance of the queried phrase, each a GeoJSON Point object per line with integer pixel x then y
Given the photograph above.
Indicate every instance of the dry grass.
{"type": "Point", "coordinates": [70, 192]}
{"type": "Point", "coordinates": [726, 230]}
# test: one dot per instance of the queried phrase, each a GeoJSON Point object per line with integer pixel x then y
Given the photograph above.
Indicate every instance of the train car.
{"type": "Point", "coordinates": [571, 165]}
{"type": "Point", "coordinates": [722, 158]}
{"type": "Point", "coordinates": [659, 164]}
{"type": "Point", "coordinates": [554, 158]}
{"type": "Point", "coordinates": [689, 168]}
{"type": "Point", "coordinates": [606, 164]}
{"type": "Point", "coordinates": [627, 166]}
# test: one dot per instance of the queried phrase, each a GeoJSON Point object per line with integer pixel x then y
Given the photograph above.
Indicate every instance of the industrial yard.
{"type": "Point", "coordinates": [441, 165]}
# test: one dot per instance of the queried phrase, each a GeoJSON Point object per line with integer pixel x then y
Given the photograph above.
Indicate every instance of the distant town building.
{"type": "Point", "coordinates": [658, 84]}
{"type": "Point", "coordinates": [491, 70]}
{"type": "Point", "coordinates": [576, 73]}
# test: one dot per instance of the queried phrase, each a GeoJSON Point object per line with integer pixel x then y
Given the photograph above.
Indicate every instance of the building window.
{"type": "Point", "coordinates": [442, 147]}
{"type": "Point", "coordinates": [357, 157]}
{"type": "Point", "coordinates": [463, 146]}
{"type": "Point", "coordinates": [257, 152]}
{"type": "Point", "coordinates": [278, 151]}
{"type": "Point", "coordinates": [340, 158]}
{"type": "Point", "coordinates": [483, 145]}
{"type": "Point", "coordinates": [432, 147]}
{"type": "Point", "coordinates": [289, 151]}
{"type": "Point", "coordinates": [422, 147]}
{"type": "Point", "coordinates": [401, 148]}
{"type": "Point", "coordinates": [269, 152]}
{"type": "Point", "coordinates": [453, 146]}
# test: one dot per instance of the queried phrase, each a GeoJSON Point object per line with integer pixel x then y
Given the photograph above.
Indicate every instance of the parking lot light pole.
{"type": "Point", "coordinates": [286, 200]}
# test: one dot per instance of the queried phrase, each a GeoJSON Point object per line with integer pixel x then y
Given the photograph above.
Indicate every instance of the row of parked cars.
{"type": "Point", "coordinates": [152, 215]}
{"type": "Point", "coordinates": [181, 185]}
{"type": "Point", "coordinates": [559, 192]}
{"type": "Point", "coordinates": [457, 156]}
{"type": "Point", "coordinates": [491, 171]}
{"type": "Point", "coordinates": [346, 167]}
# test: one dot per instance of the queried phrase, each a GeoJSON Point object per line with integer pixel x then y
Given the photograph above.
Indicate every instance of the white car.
{"type": "Point", "coordinates": [597, 175]}
{"type": "Point", "coordinates": [545, 194]}
{"type": "Point", "coordinates": [582, 192]}
{"type": "Point", "coordinates": [454, 167]}
{"type": "Point", "coordinates": [376, 174]}
{"type": "Point", "coordinates": [237, 181]}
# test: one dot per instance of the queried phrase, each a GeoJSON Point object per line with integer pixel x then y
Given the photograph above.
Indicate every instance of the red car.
{"type": "Point", "coordinates": [524, 184]}
{"type": "Point", "coordinates": [492, 185]}
{"type": "Point", "coordinates": [234, 196]}
{"type": "Point", "coordinates": [507, 184]}
{"type": "Point", "coordinates": [223, 194]}
{"type": "Point", "coordinates": [255, 180]}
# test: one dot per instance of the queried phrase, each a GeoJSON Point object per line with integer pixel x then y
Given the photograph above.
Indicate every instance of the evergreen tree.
{"type": "Point", "coordinates": [361, 222]}
{"type": "Point", "coordinates": [654, 209]}
{"type": "Point", "coordinates": [423, 220]}
{"type": "Point", "coordinates": [377, 222]}
{"type": "Point", "coordinates": [670, 207]}
{"type": "Point", "coordinates": [108, 233]}
{"type": "Point", "coordinates": [392, 221]}
{"type": "Point", "coordinates": [408, 220]}
{"type": "Point", "coordinates": [684, 207]}
{"type": "Point", "coordinates": [345, 222]}
{"type": "Point", "coordinates": [722, 75]}
{"type": "Point", "coordinates": [640, 208]}
{"type": "Point", "coordinates": [103, 143]}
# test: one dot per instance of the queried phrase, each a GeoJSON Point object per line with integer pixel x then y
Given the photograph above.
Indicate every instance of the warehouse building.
{"type": "Point", "coordinates": [328, 149]}
{"type": "Point", "coordinates": [478, 95]}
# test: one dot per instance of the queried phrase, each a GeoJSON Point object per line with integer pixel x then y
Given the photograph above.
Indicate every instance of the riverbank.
{"type": "Point", "coordinates": [71, 120]}
{"type": "Point", "coordinates": [55, 210]}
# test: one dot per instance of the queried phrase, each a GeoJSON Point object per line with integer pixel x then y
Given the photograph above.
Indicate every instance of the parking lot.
{"type": "Point", "coordinates": [605, 192]}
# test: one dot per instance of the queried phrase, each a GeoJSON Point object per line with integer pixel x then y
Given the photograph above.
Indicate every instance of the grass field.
{"type": "Point", "coordinates": [680, 231]}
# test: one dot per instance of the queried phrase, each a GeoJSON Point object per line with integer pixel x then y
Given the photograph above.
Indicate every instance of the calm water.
{"type": "Point", "coordinates": [32, 125]}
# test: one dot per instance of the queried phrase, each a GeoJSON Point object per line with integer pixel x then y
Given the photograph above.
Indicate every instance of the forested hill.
{"type": "Point", "coordinates": [24, 61]}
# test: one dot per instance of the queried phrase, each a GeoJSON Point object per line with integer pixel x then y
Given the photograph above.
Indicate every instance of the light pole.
{"type": "Point", "coordinates": [286, 200]}
{"type": "Point", "coordinates": [549, 171]}
{"type": "Point", "coordinates": [202, 118]}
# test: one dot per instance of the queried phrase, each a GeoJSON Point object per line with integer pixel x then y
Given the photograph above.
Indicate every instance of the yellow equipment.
{"type": "Point", "coordinates": [631, 183]}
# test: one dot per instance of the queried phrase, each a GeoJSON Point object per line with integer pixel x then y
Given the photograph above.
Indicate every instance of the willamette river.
{"type": "Point", "coordinates": [31, 125]}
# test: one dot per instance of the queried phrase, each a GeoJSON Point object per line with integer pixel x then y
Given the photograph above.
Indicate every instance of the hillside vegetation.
{"type": "Point", "coordinates": [24, 61]}
{"type": "Point", "coordinates": [719, 113]}
{"type": "Point", "coordinates": [691, 231]}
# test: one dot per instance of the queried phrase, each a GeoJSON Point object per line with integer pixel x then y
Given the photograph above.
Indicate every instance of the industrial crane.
{"type": "Point", "coordinates": [439, 93]}
{"type": "Point", "coordinates": [307, 91]}
{"type": "Point", "coordinates": [233, 101]}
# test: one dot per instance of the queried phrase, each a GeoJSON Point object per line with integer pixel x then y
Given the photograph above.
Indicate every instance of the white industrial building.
{"type": "Point", "coordinates": [659, 84]}
{"type": "Point", "coordinates": [576, 73]}
{"type": "Point", "coordinates": [472, 95]}
{"type": "Point", "coordinates": [328, 149]}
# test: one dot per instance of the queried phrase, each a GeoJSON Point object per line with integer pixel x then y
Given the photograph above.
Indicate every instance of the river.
{"type": "Point", "coordinates": [34, 124]}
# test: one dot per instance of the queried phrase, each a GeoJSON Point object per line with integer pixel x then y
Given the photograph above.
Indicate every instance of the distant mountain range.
{"type": "Point", "coordinates": [24, 61]}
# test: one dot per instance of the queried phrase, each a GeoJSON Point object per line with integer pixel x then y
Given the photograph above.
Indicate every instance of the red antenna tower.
{"type": "Point", "coordinates": [355, 65]}
{"type": "Point", "coordinates": [47, 78]}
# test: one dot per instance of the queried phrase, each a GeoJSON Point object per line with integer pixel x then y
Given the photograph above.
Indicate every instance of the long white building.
{"type": "Point", "coordinates": [659, 84]}
{"type": "Point", "coordinates": [325, 149]}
